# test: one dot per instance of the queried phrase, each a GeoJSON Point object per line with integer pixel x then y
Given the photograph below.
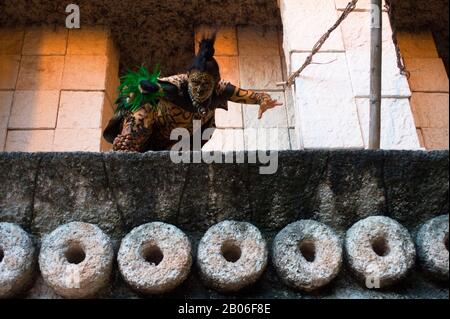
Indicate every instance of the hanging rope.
{"type": "Point", "coordinates": [349, 9]}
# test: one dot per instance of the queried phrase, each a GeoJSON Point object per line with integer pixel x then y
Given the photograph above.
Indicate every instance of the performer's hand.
{"type": "Point", "coordinates": [267, 104]}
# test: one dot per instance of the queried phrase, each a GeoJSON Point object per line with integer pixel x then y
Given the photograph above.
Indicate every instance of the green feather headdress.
{"type": "Point", "coordinates": [130, 96]}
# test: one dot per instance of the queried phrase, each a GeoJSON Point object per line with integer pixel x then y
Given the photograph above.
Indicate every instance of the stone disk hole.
{"type": "Point", "coordinates": [380, 246]}
{"type": "Point", "coordinates": [2, 254]}
{"type": "Point", "coordinates": [231, 251]}
{"type": "Point", "coordinates": [75, 254]}
{"type": "Point", "coordinates": [308, 250]}
{"type": "Point", "coordinates": [152, 254]}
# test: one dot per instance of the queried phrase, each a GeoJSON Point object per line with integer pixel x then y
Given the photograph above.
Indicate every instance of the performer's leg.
{"type": "Point", "coordinates": [136, 129]}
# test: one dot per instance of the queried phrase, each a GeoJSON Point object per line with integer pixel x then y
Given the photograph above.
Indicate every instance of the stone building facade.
{"type": "Point", "coordinates": [58, 86]}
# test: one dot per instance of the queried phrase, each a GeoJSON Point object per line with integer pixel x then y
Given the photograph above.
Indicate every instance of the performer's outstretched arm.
{"type": "Point", "coordinates": [264, 100]}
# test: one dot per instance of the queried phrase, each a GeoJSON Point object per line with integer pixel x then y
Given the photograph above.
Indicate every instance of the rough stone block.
{"type": "Point", "coordinates": [260, 72]}
{"type": "Point", "coordinates": [420, 136]}
{"type": "Point", "coordinates": [112, 73]}
{"type": "Point", "coordinates": [74, 188]}
{"type": "Point", "coordinates": [6, 98]}
{"type": "Point", "coordinates": [435, 138]}
{"type": "Point", "coordinates": [225, 140]}
{"type": "Point", "coordinates": [295, 145]}
{"type": "Point", "coordinates": [80, 110]}
{"type": "Point", "coordinates": [229, 69]}
{"type": "Point", "coordinates": [231, 118]}
{"type": "Point", "coordinates": [226, 40]}
{"type": "Point", "coordinates": [362, 5]}
{"type": "Point", "coordinates": [45, 41]}
{"type": "Point", "coordinates": [34, 110]}
{"type": "Point", "coordinates": [88, 41]}
{"type": "Point", "coordinates": [417, 44]}
{"type": "Point", "coordinates": [276, 117]}
{"type": "Point", "coordinates": [430, 110]}
{"type": "Point", "coordinates": [356, 33]}
{"type": "Point", "coordinates": [80, 139]}
{"type": "Point", "coordinates": [9, 66]}
{"type": "Point", "coordinates": [427, 75]}
{"type": "Point", "coordinates": [304, 24]}
{"type": "Point", "coordinates": [256, 41]}
{"type": "Point", "coordinates": [267, 139]}
{"type": "Point", "coordinates": [11, 40]}
{"type": "Point", "coordinates": [85, 72]}
{"type": "Point", "coordinates": [29, 141]}
{"type": "Point", "coordinates": [398, 131]}
{"type": "Point", "coordinates": [40, 73]}
{"type": "Point", "coordinates": [326, 109]}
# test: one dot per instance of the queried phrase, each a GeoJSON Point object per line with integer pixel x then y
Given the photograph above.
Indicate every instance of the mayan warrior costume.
{"type": "Point", "coordinates": [149, 107]}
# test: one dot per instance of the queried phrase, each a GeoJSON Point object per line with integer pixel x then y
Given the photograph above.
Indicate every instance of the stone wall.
{"type": "Point", "coordinates": [430, 89]}
{"type": "Point", "coordinates": [331, 96]}
{"type": "Point", "coordinates": [57, 88]}
{"type": "Point", "coordinates": [118, 192]}
{"type": "Point", "coordinates": [252, 58]}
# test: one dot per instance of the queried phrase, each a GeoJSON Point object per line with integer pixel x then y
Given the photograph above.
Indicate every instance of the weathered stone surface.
{"type": "Point", "coordinates": [76, 260]}
{"type": "Point", "coordinates": [17, 260]}
{"type": "Point", "coordinates": [45, 41]}
{"type": "Point", "coordinates": [341, 201]}
{"type": "Point", "coordinates": [307, 255]}
{"type": "Point", "coordinates": [293, 138]}
{"type": "Point", "coordinates": [17, 189]}
{"type": "Point", "coordinates": [431, 110]}
{"type": "Point", "coordinates": [6, 98]}
{"type": "Point", "coordinates": [74, 188]}
{"type": "Point", "coordinates": [432, 247]}
{"type": "Point", "coordinates": [417, 44]}
{"type": "Point", "coordinates": [86, 140]}
{"type": "Point", "coordinates": [40, 72]}
{"type": "Point", "coordinates": [155, 258]}
{"type": "Point", "coordinates": [361, 4]}
{"type": "Point", "coordinates": [85, 72]}
{"type": "Point", "coordinates": [29, 141]}
{"type": "Point", "coordinates": [411, 203]}
{"type": "Point", "coordinates": [303, 25]}
{"type": "Point", "coordinates": [146, 187]}
{"type": "Point", "coordinates": [325, 103]}
{"type": "Point", "coordinates": [229, 69]}
{"type": "Point", "coordinates": [213, 193]}
{"type": "Point", "coordinates": [231, 118]}
{"type": "Point", "coordinates": [274, 139]}
{"type": "Point", "coordinates": [11, 41]}
{"type": "Point", "coordinates": [356, 32]}
{"type": "Point", "coordinates": [232, 255]}
{"type": "Point", "coordinates": [226, 40]}
{"type": "Point", "coordinates": [89, 41]}
{"type": "Point", "coordinates": [380, 251]}
{"type": "Point", "coordinates": [34, 110]}
{"type": "Point", "coordinates": [257, 41]}
{"type": "Point", "coordinates": [398, 130]}
{"type": "Point", "coordinates": [276, 117]}
{"type": "Point", "coordinates": [81, 109]}
{"type": "Point", "coordinates": [260, 72]}
{"type": "Point", "coordinates": [9, 64]}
